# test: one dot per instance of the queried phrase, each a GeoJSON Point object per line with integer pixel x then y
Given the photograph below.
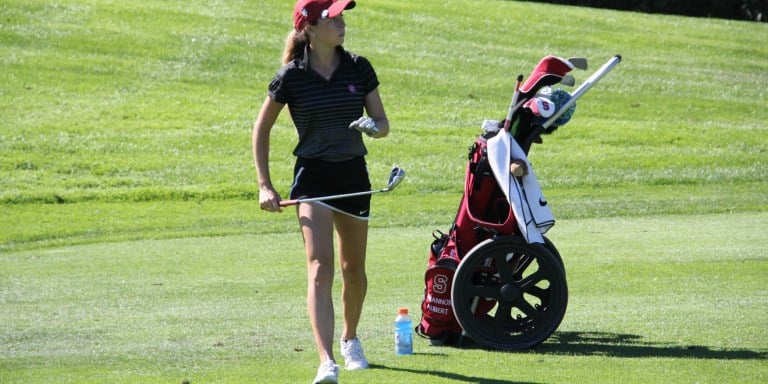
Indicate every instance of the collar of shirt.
{"type": "Point", "coordinates": [304, 61]}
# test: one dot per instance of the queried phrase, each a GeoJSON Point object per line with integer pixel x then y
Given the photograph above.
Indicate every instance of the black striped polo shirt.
{"type": "Point", "coordinates": [323, 109]}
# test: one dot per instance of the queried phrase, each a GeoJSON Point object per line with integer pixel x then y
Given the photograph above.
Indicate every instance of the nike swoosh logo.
{"type": "Point", "coordinates": [363, 212]}
{"type": "Point", "coordinates": [542, 202]}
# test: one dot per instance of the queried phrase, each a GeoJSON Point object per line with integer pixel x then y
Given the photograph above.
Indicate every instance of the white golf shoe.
{"type": "Point", "coordinates": [327, 373]}
{"type": "Point", "coordinates": [352, 351]}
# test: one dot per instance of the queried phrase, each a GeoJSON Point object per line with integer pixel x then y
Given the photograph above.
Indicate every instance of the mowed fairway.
{"type": "Point", "coordinates": [648, 300]}
{"type": "Point", "coordinates": [132, 249]}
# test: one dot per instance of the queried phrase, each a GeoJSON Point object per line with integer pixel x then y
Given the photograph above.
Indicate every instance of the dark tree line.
{"type": "Point", "coordinates": [756, 10]}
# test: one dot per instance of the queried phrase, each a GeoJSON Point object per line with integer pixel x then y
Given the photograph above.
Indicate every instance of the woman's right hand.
{"type": "Point", "coordinates": [269, 200]}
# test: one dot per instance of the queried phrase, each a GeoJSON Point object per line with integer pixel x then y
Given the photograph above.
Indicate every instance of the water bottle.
{"type": "Point", "coordinates": [403, 333]}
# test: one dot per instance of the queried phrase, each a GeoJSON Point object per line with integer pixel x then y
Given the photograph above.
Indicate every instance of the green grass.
{"type": "Point", "coordinates": [646, 300]}
{"type": "Point", "coordinates": [132, 248]}
{"type": "Point", "coordinates": [155, 100]}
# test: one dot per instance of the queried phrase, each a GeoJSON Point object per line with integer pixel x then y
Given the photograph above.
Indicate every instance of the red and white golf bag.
{"type": "Point", "coordinates": [497, 205]}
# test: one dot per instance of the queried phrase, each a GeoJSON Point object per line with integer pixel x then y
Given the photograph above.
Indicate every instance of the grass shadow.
{"type": "Point", "coordinates": [448, 375]}
{"type": "Point", "coordinates": [596, 344]}
{"type": "Point", "coordinates": [628, 345]}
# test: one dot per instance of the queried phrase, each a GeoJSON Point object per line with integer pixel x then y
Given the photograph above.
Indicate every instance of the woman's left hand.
{"type": "Point", "coordinates": [365, 125]}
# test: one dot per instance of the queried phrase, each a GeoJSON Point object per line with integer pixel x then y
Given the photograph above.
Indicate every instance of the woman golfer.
{"type": "Point", "coordinates": [327, 89]}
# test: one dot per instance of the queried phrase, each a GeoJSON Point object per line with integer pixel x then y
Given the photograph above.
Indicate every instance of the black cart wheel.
{"type": "Point", "coordinates": [508, 294]}
{"type": "Point", "coordinates": [553, 250]}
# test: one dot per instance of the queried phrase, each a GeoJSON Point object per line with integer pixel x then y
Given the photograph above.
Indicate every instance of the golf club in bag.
{"type": "Point", "coordinates": [395, 177]}
{"type": "Point", "coordinates": [494, 278]}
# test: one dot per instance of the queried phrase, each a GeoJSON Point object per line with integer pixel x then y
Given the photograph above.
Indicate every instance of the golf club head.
{"type": "Point", "coordinates": [395, 177]}
{"type": "Point", "coordinates": [568, 81]}
{"type": "Point", "coordinates": [578, 62]}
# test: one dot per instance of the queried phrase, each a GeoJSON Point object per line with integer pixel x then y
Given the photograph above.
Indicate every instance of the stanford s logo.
{"type": "Point", "coordinates": [440, 283]}
{"type": "Point", "coordinates": [352, 88]}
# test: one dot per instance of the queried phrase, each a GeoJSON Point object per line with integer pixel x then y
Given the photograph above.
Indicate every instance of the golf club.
{"type": "Point", "coordinates": [513, 104]}
{"type": "Point", "coordinates": [578, 62]}
{"type": "Point", "coordinates": [568, 81]}
{"type": "Point", "coordinates": [584, 87]}
{"type": "Point", "coordinates": [395, 177]}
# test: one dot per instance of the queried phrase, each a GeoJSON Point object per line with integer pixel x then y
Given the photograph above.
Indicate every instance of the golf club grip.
{"type": "Point", "coordinates": [584, 87]}
{"type": "Point", "coordinates": [287, 203]}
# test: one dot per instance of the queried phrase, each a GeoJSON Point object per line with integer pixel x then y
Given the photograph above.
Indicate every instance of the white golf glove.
{"type": "Point", "coordinates": [490, 126]}
{"type": "Point", "coordinates": [365, 125]}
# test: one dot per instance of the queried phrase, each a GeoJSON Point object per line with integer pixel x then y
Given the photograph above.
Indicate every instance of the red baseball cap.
{"type": "Point", "coordinates": [308, 11]}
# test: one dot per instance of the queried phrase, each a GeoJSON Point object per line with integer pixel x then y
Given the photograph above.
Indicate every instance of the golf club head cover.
{"type": "Point", "coordinates": [549, 71]}
{"type": "Point", "coordinates": [545, 103]}
{"type": "Point", "coordinates": [559, 97]}
{"type": "Point", "coordinates": [540, 107]}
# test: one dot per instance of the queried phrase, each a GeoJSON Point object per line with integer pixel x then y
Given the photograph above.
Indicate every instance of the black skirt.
{"type": "Point", "coordinates": [319, 178]}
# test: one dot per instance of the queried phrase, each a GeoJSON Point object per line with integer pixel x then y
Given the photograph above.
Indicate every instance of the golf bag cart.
{"type": "Point", "coordinates": [494, 277]}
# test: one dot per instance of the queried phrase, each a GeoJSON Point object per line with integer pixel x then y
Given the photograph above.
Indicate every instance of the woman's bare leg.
{"type": "Point", "coordinates": [316, 223]}
{"type": "Point", "coordinates": [352, 235]}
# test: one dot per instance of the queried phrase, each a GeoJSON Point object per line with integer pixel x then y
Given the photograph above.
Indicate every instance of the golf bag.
{"type": "Point", "coordinates": [494, 277]}
{"type": "Point", "coordinates": [483, 212]}
{"type": "Point", "coordinates": [438, 321]}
